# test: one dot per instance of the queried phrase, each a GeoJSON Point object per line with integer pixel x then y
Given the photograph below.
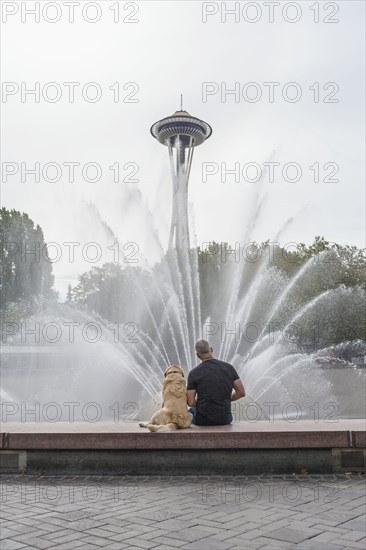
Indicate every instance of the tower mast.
{"type": "Point", "coordinates": [181, 133]}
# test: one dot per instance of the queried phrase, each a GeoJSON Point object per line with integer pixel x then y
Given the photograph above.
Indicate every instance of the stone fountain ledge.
{"type": "Point", "coordinates": [243, 447]}
{"type": "Point", "coordinates": [128, 435]}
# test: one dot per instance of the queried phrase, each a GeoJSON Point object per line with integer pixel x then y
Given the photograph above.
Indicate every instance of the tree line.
{"type": "Point", "coordinates": [26, 270]}
{"type": "Point", "coordinates": [115, 292]}
{"type": "Point", "coordinates": [328, 276]}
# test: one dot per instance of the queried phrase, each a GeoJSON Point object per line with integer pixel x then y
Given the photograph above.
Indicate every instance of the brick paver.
{"type": "Point", "coordinates": [185, 513]}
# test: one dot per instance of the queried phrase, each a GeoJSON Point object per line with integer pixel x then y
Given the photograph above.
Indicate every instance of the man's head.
{"type": "Point", "coordinates": [203, 349]}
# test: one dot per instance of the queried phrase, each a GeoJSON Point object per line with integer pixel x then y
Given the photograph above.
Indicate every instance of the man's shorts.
{"type": "Point", "coordinates": [199, 420]}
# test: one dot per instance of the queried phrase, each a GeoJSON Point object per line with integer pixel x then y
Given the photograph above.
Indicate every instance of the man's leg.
{"type": "Point", "coordinates": [192, 410]}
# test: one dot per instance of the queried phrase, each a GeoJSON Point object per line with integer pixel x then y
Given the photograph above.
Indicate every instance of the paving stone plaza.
{"type": "Point", "coordinates": [204, 513]}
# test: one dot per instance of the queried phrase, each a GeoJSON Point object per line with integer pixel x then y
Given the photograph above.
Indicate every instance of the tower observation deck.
{"type": "Point", "coordinates": [181, 133]}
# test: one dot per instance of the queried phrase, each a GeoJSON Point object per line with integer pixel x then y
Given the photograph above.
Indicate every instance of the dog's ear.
{"type": "Point", "coordinates": [167, 370]}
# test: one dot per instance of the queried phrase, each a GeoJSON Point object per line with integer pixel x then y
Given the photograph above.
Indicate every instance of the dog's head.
{"type": "Point", "coordinates": [174, 369]}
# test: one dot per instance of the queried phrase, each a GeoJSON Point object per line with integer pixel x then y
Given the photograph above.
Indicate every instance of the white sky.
{"type": "Point", "coordinates": [168, 52]}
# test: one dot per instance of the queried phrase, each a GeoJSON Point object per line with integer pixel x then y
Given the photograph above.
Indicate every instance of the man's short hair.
{"type": "Point", "coordinates": [202, 347]}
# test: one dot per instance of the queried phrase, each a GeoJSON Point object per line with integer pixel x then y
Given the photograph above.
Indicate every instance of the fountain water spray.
{"type": "Point", "coordinates": [166, 306]}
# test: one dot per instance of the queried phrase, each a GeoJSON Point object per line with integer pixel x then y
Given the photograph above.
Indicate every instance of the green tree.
{"type": "Point", "coordinates": [26, 272]}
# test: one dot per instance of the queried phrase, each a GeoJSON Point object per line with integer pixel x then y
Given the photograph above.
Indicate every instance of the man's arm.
{"type": "Point", "coordinates": [191, 398]}
{"type": "Point", "coordinates": [238, 391]}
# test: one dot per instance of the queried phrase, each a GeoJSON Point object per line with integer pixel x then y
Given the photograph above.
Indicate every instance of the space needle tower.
{"type": "Point", "coordinates": [181, 133]}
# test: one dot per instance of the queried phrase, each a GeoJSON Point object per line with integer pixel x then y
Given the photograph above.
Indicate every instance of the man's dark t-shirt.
{"type": "Point", "coordinates": [213, 381]}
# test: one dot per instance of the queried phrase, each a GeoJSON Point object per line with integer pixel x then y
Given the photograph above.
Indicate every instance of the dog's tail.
{"type": "Point", "coordinates": [165, 428]}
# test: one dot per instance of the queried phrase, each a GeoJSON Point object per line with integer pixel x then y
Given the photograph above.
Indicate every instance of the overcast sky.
{"type": "Point", "coordinates": [169, 50]}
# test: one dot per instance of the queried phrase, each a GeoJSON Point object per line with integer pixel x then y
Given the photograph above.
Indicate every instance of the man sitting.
{"type": "Point", "coordinates": [211, 387]}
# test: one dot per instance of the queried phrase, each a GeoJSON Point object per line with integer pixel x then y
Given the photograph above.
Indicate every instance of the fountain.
{"type": "Point", "coordinates": [170, 313]}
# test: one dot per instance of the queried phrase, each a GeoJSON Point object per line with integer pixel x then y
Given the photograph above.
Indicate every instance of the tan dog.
{"type": "Point", "coordinates": [173, 415]}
